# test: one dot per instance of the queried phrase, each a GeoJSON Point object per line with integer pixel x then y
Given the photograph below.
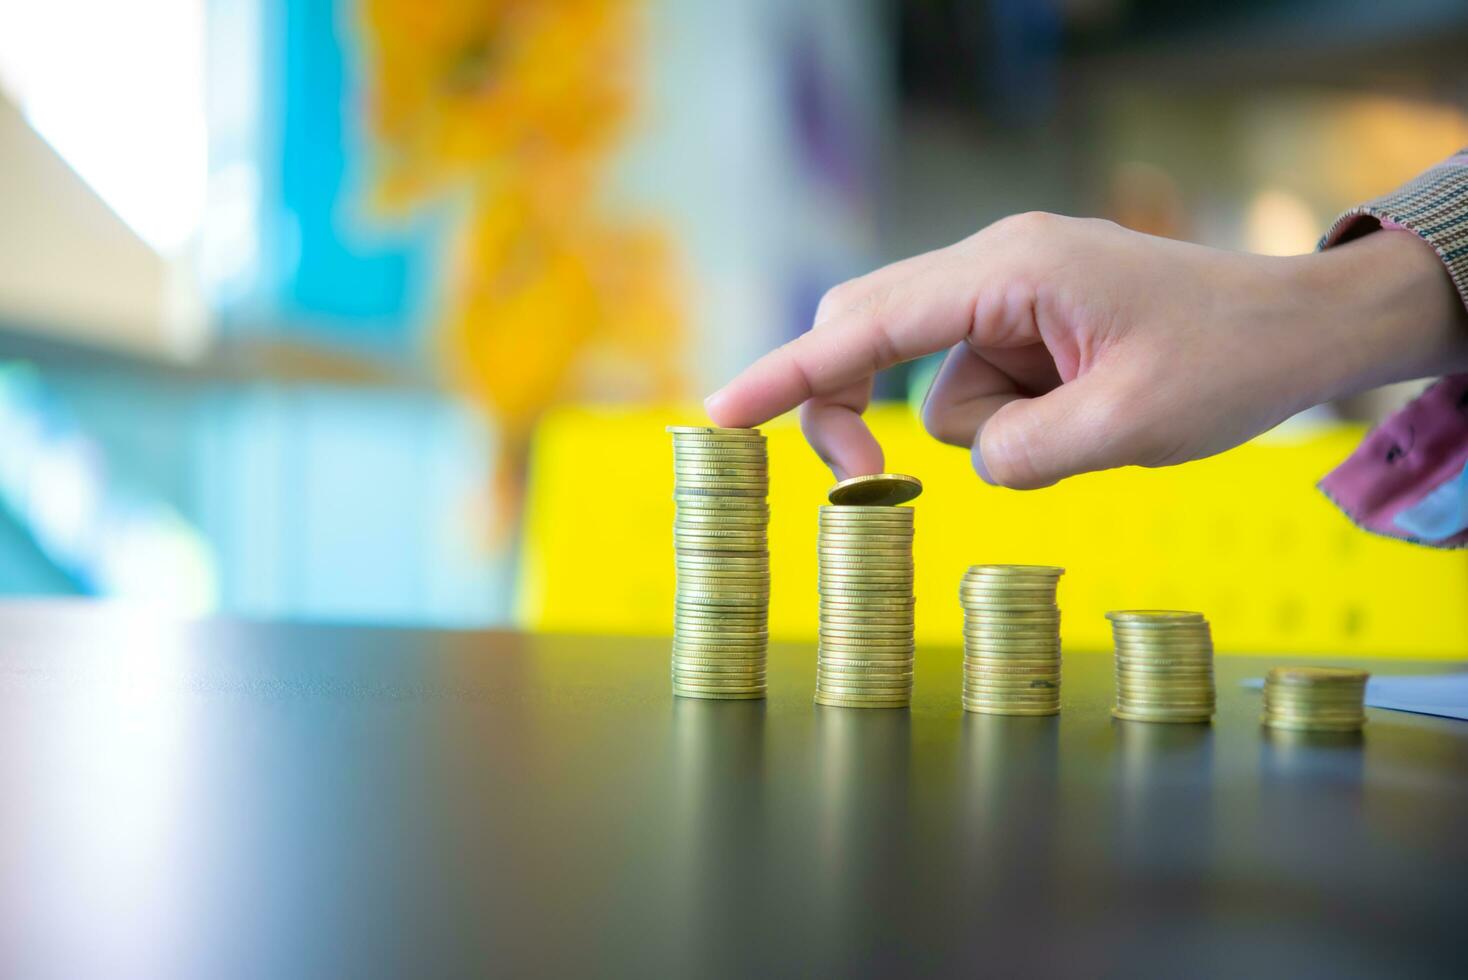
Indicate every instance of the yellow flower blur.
{"type": "Point", "coordinates": [514, 106]}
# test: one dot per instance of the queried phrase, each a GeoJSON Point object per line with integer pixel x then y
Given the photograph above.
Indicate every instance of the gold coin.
{"type": "Point", "coordinates": [871, 571]}
{"type": "Point", "coordinates": [705, 543]}
{"type": "Point", "coordinates": [693, 452]}
{"type": "Point", "coordinates": [889, 518]}
{"type": "Point", "coordinates": [1011, 642]}
{"type": "Point", "coordinates": [866, 663]}
{"type": "Point", "coordinates": [832, 701]}
{"type": "Point", "coordinates": [864, 630]}
{"type": "Point", "coordinates": [988, 682]}
{"type": "Point", "coordinates": [1318, 676]}
{"type": "Point", "coordinates": [743, 506]}
{"type": "Point", "coordinates": [1015, 571]}
{"type": "Point", "coordinates": [851, 592]}
{"type": "Point", "coordinates": [1294, 725]}
{"type": "Point", "coordinates": [705, 682]}
{"type": "Point", "coordinates": [703, 613]}
{"type": "Point", "coordinates": [717, 671]}
{"type": "Point", "coordinates": [751, 493]}
{"type": "Point", "coordinates": [993, 699]}
{"type": "Point", "coordinates": [849, 532]}
{"type": "Point", "coordinates": [741, 488]}
{"type": "Point", "coordinates": [699, 691]}
{"type": "Point", "coordinates": [1158, 692]}
{"type": "Point", "coordinates": [695, 633]}
{"type": "Point", "coordinates": [729, 563]}
{"type": "Point", "coordinates": [870, 601]}
{"type": "Point", "coordinates": [1012, 631]}
{"type": "Point", "coordinates": [1160, 634]}
{"type": "Point", "coordinates": [830, 611]}
{"type": "Point", "coordinates": [718, 675]}
{"type": "Point", "coordinates": [1164, 616]}
{"type": "Point", "coordinates": [843, 674]}
{"type": "Point", "coordinates": [749, 663]}
{"type": "Point", "coordinates": [752, 642]}
{"type": "Point", "coordinates": [877, 687]}
{"type": "Point", "coordinates": [1178, 668]}
{"type": "Point", "coordinates": [985, 709]}
{"type": "Point", "coordinates": [1014, 670]}
{"type": "Point", "coordinates": [705, 580]}
{"type": "Point", "coordinates": [715, 465]}
{"type": "Point", "coordinates": [719, 431]}
{"type": "Point", "coordinates": [979, 656]}
{"type": "Point", "coordinates": [876, 490]}
{"type": "Point", "coordinates": [868, 696]}
{"type": "Point", "coordinates": [834, 650]}
{"type": "Point", "coordinates": [1175, 718]}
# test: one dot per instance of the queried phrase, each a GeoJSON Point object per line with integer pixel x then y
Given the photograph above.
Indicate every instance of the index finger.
{"type": "Point", "coordinates": [926, 313]}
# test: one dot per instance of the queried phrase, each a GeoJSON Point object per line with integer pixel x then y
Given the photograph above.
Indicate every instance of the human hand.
{"type": "Point", "coordinates": [1077, 345]}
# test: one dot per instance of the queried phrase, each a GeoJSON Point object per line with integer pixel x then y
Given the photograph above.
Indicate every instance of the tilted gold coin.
{"type": "Point", "coordinates": [876, 490]}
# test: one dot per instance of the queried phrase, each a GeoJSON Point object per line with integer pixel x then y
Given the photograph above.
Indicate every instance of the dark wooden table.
{"type": "Point", "coordinates": [224, 799]}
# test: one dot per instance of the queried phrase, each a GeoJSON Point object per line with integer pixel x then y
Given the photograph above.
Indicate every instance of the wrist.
{"type": "Point", "coordinates": [1386, 310]}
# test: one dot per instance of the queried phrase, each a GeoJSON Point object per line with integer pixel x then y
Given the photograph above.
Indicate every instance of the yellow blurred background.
{"type": "Point", "coordinates": [1244, 536]}
{"type": "Point", "coordinates": [374, 310]}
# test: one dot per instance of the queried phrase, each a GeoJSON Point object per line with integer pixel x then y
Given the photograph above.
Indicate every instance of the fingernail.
{"type": "Point", "coordinates": [979, 467]}
{"type": "Point", "coordinates": [712, 402]}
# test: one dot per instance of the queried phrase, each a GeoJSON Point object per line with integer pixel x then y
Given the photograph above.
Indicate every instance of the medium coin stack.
{"type": "Point", "coordinates": [721, 614]}
{"type": "Point", "coordinates": [1164, 666]}
{"type": "Point", "coordinates": [866, 622]}
{"type": "Point", "coordinates": [1011, 639]}
{"type": "Point", "coordinates": [1315, 699]}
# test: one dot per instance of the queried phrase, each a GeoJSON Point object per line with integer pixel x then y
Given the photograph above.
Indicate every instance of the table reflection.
{"type": "Point", "coordinates": [864, 834]}
{"type": "Point", "coordinates": [719, 826]}
{"type": "Point", "coordinates": [1164, 786]}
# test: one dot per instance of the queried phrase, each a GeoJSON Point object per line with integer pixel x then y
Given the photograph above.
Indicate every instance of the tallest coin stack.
{"type": "Point", "coordinates": [720, 540]}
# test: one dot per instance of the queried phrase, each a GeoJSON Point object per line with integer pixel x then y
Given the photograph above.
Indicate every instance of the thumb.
{"type": "Point", "coordinates": [1083, 425]}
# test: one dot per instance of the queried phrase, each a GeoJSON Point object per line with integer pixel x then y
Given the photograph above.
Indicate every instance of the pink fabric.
{"type": "Point", "coordinates": [1404, 459]}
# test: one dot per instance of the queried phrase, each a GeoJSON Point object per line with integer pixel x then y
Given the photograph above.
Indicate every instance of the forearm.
{"type": "Point", "coordinates": [1386, 311]}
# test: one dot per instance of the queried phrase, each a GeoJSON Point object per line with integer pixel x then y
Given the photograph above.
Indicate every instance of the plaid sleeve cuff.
{"type": "Point", "coordinates": [1409, 478]}
{"type": "Point", "coordinates": [1434, 206]}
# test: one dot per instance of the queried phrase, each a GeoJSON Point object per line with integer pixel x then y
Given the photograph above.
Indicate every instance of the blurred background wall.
{"type": "Point", "coordinates": [287, 286]}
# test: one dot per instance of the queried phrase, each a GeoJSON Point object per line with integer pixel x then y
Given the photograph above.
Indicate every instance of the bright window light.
{"type": "Point", "coordinates": [118, 90]}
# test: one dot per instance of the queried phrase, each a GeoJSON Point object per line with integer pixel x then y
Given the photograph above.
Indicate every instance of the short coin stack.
{"type": "Point", "coordinates": [721, 615]}
{"type": "Point", "coordinates": [1315, 699]}
{"type": "Point", "coordinates": [1011, 639]}
{"type": "Point", "coordinates": [1164, 666]}
{"type": "Point", "coordinates": [866, 622]}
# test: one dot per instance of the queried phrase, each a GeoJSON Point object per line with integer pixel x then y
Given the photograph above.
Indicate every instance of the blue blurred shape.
{"type": "Point", "coordinates": [289, 158]}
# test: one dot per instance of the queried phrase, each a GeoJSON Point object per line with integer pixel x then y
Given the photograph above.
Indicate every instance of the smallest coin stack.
{"type": "Point", "coordinates": [1164, 666]}
{"type": "Point", "coordinates": [1011, 639]}
{"type": "Point", "coordinates": [1315, 699]}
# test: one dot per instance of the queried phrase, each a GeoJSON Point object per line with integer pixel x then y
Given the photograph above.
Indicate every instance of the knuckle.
{"type": "Point", "coordinates": [839, 298]}
{"type": "Point", "coordinates": [1027, 224]}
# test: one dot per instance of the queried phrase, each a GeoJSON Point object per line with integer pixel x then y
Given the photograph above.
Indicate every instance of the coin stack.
{"type": "Point", "coordinates": [721, 615]}
{"type": "Point", "coordinates": [1011, 639]}
{"type": "Point", "coordinates": [1164, 666]}
{"type": "Point", "coordinates": [866, 622]}
{"type": "Point", "coordinates": [1315, 699]}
